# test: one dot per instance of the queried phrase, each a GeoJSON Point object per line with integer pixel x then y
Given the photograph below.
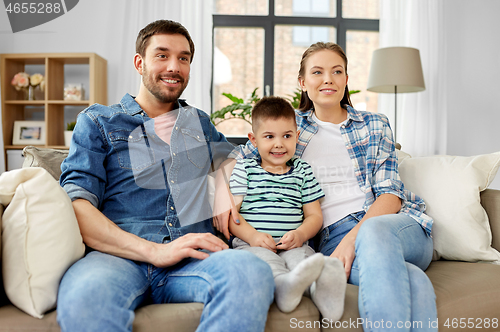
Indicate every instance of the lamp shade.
{"type": "Point", "coordinates": [396, 67]}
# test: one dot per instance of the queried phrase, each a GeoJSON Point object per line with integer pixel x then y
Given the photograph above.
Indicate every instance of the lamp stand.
{"type": "Point", "coordinates": [395, 112]}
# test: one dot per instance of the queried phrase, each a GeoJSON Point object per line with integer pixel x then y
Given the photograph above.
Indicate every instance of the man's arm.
{"type": "Point", "coordinates": [102, 234]}
{"type": "Point", "coordinates": [224, 207]}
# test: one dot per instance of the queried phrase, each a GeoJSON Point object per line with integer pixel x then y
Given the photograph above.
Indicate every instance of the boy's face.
{"type": "Point", "coordinates": [275, 139]}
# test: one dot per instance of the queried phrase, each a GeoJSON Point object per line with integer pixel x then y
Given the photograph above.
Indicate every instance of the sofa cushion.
{"type": "Point", "coordinates": [466, 290]}
{"type": "Point", "coordinates": [48, 159]}
{"type": "Point", "coordinates": [40, 237]}
{"type": "Point", "coordinates": [450, 187]}
{"type": "Point", "coordinates": [3, 296]}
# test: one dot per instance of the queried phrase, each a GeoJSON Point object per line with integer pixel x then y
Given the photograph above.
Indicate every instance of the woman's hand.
{"type": "Point", "coordinates": [292, 239]}
{"type": "Point", "coordinates": [263, 240]}
{"type": "Point", "coordinates": [345, 251]}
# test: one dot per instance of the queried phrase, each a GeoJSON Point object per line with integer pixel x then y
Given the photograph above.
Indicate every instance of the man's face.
{"type": "Point", "coordinates": [166, 66]}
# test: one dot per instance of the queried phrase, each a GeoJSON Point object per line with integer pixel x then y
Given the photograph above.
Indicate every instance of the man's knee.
{"type": "Point", "coordinates": [245, 272]}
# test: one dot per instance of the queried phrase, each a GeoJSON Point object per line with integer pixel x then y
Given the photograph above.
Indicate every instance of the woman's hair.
{"type": "Point", "coordinates": [161, 27]}
{"type": "Point", "coordinates": [306, 102]}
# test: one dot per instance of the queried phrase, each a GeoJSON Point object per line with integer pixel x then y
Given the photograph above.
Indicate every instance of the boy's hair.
{"type": "Point", "coordinates": [161, 27]}
{"type": "Point", "coordinates": [271, 108]}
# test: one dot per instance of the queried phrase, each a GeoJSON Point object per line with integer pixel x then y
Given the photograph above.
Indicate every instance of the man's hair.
{"type": "Point", "coordinates": [161, 27]}
{"type": "Point", "coordinates": [271, 108]}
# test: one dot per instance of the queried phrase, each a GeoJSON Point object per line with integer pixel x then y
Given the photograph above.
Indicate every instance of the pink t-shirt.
{"type": "Point", "coordinates": [164, 124]}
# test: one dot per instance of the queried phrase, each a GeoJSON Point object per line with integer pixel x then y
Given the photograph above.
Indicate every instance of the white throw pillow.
{"type": "Point", "coordinates": [40, 238]}
{"type": "Point", "coordinates": [450, 187]}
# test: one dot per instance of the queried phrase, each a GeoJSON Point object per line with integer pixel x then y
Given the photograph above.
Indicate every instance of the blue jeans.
{"type": "Point", "coordinates": [392, 252]}
{"type": "Point", "coordinates": [100, 292]}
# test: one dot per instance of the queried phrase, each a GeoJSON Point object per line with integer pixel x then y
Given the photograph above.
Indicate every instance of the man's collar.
{"type": "Point", "coordinates": [130, 106]}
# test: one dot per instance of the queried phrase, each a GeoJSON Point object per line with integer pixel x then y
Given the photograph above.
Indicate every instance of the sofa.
{"type": "Point", "coordinates": [467, 292]}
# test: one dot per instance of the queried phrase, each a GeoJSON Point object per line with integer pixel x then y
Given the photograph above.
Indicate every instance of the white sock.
{"type": "Point", "coordinates": [329, 292]}
{"type": "Point", "coordinates": [291, 286]}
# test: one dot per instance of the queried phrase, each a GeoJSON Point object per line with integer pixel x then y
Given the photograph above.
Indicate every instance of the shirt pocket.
{"type": "Point", "coordinates": [196, 147]}
{"type": "Point", "coordinates": [131, 149]}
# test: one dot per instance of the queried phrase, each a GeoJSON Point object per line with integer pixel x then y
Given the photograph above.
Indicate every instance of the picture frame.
{"type": "Point", "coordinates": [29, 133]}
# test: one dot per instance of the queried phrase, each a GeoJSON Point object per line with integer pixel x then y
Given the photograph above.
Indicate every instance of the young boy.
{"type": "Point", "coordinates": [278, 201]}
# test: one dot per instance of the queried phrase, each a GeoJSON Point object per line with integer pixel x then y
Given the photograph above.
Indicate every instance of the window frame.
{"type": "Point", "coordinates": [268, 23]}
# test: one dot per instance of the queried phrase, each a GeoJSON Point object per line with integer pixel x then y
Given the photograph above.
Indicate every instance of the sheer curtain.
{"type": "Point", "coordinates": [422, 116]}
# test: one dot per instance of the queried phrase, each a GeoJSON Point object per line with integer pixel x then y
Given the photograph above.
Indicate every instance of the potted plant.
{"type": "Point", "coordinates": [240, 109]}
{"type": "Point", "coordinates": [68, 133]}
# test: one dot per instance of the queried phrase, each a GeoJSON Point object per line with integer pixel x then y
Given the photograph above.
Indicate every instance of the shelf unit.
{"type": "Point", "coordinates": [53, 104]}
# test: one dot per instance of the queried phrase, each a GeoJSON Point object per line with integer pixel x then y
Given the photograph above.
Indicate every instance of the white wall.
{"type": "Point", "coordinates": [109, 28]}
{"type": "Point", "coordinates": [473, 80]}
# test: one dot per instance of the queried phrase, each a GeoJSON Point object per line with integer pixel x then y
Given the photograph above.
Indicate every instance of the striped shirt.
{"type": "Point", "coordinates": [273, 203]}
{"type": "Point", "coordinates": [369, 142]}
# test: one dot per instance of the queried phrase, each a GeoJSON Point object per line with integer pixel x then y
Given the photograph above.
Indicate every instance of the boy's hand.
{"type": "Point", "coordinates": [292, 239]}
{"type": "Point", "coordinates": [263, 240]}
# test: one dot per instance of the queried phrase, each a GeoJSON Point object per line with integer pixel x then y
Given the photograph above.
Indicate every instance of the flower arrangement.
{"type": "Point", "coordinates": [37, 79]}
{"type": "Point", "coordinates": [21, 81]}
{"type": "Point", "coordinates": [25, 82]}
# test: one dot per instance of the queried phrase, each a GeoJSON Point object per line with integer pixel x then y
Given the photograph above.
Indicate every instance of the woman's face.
{"type": "Point", "coordinates": [324, 79]}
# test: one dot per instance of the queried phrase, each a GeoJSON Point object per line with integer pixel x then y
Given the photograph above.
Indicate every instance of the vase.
{"type": "Point", "coordinates": [67, 137]}
{"type": "Point", "coordinates": [31, 93]}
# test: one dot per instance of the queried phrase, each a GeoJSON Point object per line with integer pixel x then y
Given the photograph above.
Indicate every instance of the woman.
{"type": "Point", "coordinates": [375, 227]}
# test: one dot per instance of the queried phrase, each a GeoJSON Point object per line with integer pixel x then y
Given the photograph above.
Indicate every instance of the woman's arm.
{"type": "Point", "coordinates": [384, 204]}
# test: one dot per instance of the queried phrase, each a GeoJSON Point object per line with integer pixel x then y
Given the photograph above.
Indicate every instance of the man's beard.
{"type": "Point", "coordinates": [156, 89]}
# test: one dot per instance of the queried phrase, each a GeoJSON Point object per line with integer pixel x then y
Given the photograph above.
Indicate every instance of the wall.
{"type": "Point", "coordinates": [473, 61]}
{"type": "Point", "coordinates": [473, 77]}
{"type": "Point", "coordinates": [109, 28]}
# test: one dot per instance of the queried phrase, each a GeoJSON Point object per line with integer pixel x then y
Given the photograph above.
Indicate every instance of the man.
{"type": "Point", "coordinates": [137, 176]}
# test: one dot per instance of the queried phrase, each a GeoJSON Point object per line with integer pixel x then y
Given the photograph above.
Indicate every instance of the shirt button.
{"type": "Point", "coordinates": [170, 224]}
{"type": "Point", "coordinates": [172, 208]}
{"type": "Point", "coordinates": [174, 153]}
{"type": "Point", "coordinates": [172, 181]}
{"type": "Point", "coordinates": [130, 137]}
{"type": "Point", "coordinates": [176, 128]}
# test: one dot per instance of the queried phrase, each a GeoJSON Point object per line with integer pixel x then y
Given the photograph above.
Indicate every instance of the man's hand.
{"type": "Point", "coordinates": [263, 240]}
{"type": "Point", "coordinates": [164, 255]}
{"type": "Point", "coordinates": [292, 239]}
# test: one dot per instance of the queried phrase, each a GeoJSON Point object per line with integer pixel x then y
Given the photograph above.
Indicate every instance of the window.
{"type": "Point", "coordinates": [259, 44]}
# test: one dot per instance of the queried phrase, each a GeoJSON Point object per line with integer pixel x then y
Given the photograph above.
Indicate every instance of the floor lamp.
{"type": "Point", "coordinates": [396, 70]}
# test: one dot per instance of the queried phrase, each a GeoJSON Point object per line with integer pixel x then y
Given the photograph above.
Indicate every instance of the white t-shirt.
{"type": "Point", "coordinates": [333, 168]}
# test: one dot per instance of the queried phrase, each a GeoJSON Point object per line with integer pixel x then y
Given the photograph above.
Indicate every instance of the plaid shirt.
{"type": "Point", "coordinates": [368, 138]}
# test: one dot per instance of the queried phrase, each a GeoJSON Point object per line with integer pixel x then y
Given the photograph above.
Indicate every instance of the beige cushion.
{"type": "Point", "coordinates": [40, 237]}
{"type": "Point", "coordinates": [450, 187]}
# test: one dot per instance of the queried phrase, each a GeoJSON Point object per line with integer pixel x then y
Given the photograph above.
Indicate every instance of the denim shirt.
{"type": "Point", "coordinates": [368, 139]}
{"type": "Point", "coordinates": [147, 187]}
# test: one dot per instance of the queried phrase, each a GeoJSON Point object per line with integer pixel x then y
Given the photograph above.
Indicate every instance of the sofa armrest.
{"type": "Point", "coordinates": [490, 200]}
